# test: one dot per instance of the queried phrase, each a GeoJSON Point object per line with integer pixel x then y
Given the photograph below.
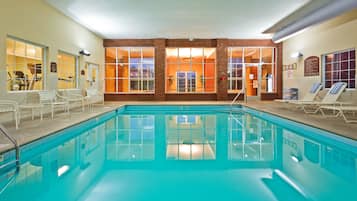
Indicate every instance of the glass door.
{"type": "Point", "coordinates": [92, 76]}
{"type": "Point", "coordinates": [252, 80]}
{"type": "Point", "coordinates": [186, 81]}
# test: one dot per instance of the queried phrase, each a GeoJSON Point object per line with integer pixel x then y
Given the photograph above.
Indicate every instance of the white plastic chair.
{"type": "Point", "coordinates": [10, 106]}
{"type": "Point", "coordinates": [50, 98]}
{"type": "Point", "coordinates": [72, 98]}
{"type": "Point", "coordinates": [92, 97]}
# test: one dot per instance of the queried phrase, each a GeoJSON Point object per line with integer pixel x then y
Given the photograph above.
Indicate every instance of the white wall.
{"type": "Point", "coordinates": [333, 35]}
{"type": "Point", "coordinates": [39, 23]}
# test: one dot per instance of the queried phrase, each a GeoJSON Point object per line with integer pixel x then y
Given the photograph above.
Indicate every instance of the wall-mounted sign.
{"type": "Point", "coordinates": [290, 67]}
{"type": "Point", "coordinates": [53, 67]}
{"type": "Point", "coordinates": [311, 66]}
{"type": "Point", "coordinates": [255, 84]}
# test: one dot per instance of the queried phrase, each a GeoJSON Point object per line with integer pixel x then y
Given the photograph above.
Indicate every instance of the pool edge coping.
{"type": "Point", "coordinates": [114, 108]}
{"type": "Point", "coordinates": [297, 121]}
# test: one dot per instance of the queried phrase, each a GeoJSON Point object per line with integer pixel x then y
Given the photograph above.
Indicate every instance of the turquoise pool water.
{"type": "Point", "coordinates": [184, 153]}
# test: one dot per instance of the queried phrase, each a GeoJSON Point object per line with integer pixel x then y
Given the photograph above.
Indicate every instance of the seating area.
{"type": "Point", "coordinates": [51, 102]}
{"type": "Point", "coordinates": [8, 106]}
{"type": "Point", "coordinates": [329, 106]}
{"type": "Point", "coordinates": [93, 96]}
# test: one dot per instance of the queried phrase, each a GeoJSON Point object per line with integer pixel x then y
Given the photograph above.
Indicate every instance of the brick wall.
{"type": "Point", "coordinates": [221, 67]}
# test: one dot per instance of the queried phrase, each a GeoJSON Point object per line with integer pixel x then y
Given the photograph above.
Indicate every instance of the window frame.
{"type": "Point", "coordinates": [323, 67]}
{"type": "Point", "coordinates": [76, 70]}
{"type": "Point", "coordinates": [128, 79]}
{"type": "Point", "coordinates": [204, 78]}
{"type": "Point", "coordinates": [44, 62]}
{"type": "Point", "coordinates": [259, 65]}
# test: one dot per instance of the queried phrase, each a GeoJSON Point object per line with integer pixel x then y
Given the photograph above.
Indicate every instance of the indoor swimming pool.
{"type": "Point", "coordinates": [184, 153]}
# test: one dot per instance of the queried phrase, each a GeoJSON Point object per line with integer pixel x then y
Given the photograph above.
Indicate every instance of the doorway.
{"type": "Point", "coordinates": [92, 76]}
{"type": "Point", "coordinates": [252, 81]}
{"type": "Point", "coordinates": [186, 81]}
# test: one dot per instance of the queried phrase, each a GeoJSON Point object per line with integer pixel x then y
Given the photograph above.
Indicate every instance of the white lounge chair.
{"type": "Point", "coordinates": [330, 99]}
{"type": "Point", "coordinates": [72, 98]}
{"type": "Point", "coordinates": [341, 111]}
{"type": "Point", "coordinates": [10, 106]}
{"type": "Point", "coordinates": [50, 98]}
{"type": "Point", "coordinates": [309, 96]}
{"type": "Point", "coordinates": [93, 96]}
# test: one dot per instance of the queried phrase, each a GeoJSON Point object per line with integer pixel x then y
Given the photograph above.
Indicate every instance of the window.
{"type": "Point", "coordinates": [67, 70]}
{"type": "Point", "coordinates": [186, 81]}
{"type": "Point", "coordinates": [24, 65]}
{"type": "Point", "coordinates": [268, 70]}
{"type": "Point", "coordinates": [235, 69]}
{"type": "Point", "coordinates": [340, 67]}
{"type": "Point", "coordinates": [242, 57]}
{"type": "Point", "coordinates": [130, 70]}
{"type": "Point", "coordinates": [190, 70]}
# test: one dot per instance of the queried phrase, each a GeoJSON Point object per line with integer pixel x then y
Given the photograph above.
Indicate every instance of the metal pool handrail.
{"type": "Point", "coordinates": [237, 96]}
{"type": "Point", "coordinates": [4, 131]}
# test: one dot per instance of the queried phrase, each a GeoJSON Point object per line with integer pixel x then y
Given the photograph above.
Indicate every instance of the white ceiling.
{"type": "Point", "coordinates": [178, 18]}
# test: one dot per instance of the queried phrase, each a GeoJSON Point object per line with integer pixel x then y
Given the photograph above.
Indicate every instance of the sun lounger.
{"type": "Point", "coordinates": [330, 99]}
{"type": "Point", "coordinates": [341, 111]}
{"type": "Point", "coordinates": [309, 96]}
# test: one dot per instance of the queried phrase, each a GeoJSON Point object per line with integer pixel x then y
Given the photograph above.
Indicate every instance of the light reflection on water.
{"type": "Point", "coordinates": [187, 156]}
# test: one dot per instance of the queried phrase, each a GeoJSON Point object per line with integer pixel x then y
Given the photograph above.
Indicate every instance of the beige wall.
{"type": "Point", "coordinates": [333, 35]}
{"type": "Point", "coordinates": [39, 23]}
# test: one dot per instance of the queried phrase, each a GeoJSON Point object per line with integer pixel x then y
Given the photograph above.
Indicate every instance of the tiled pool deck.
{"type": "Point", "coordinates": [31, 130]}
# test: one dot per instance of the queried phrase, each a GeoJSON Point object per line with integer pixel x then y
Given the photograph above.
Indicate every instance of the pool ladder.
{"type": "Point", "coordinates": [237, 96]}
{"type": "Point", "coordinates": [4, 131]}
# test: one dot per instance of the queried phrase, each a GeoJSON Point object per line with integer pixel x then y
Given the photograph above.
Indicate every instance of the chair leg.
{"type": "Point", "coordinates": [41, 113]}
{"type": "Point", "coordinates": [19, 116]}
{"type": "Point", "coordinates": [346, 119]}
{"type": "Point", "coordinates": [16, 120]}
{"type": "Point", "coordinates": [311, 111]}
{"type": "Point", "coordinates": [52, 110]}
{"type": "Point", "coordinates": [66, 108]}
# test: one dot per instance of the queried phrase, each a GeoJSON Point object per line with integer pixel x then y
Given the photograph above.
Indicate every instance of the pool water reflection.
{"type": "Point", "coordinates": [187, 155]}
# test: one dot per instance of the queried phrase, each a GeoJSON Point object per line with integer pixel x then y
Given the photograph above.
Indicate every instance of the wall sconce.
{"type": "Point", "coordinates": [296, 55]}
{"type": "Point", "coordinates": [84, 52]}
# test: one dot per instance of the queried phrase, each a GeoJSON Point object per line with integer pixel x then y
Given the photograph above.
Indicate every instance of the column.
{"type": "Point", "coordinates": [222, 63]}
{"type": "Point", "coordinates": [160, 56]}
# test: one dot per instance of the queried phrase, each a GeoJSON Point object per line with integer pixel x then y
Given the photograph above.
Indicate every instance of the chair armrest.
{"type": "Point", "coordinates": [344, 103]}
{"type": "Point", "coordinates": [62, 98]}
{"type": "Point", "coordinates": [9, 103]}
{"type": "Point", "coordinates": [74, 97]}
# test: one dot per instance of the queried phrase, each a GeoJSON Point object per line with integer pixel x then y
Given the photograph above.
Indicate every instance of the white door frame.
{"type": "Point", "coordinates": [186, 81]}
{"type": "Point", "coordinates": [93, 83]}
